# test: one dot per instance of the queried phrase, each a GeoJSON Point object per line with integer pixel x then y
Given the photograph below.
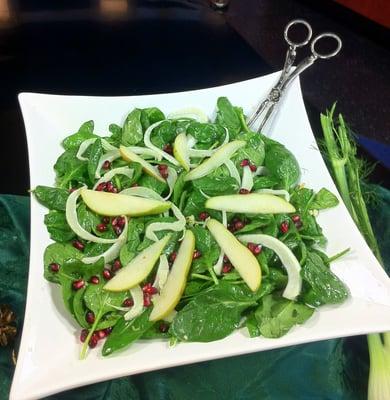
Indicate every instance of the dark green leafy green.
{"type": "Point", "coordinates": [228, 118]}
{"type": "Point", "coordinates": [205, 132]}
{"type": "Point", "coordinates": [85, 132]}
{"type": "Point", "coordinates": [52, 198]}
{"type": "Point", "coordinates": [132, 132]}
{"type": "Point", "coordinates": [217, 185]}
{"type": "Point", "coordinates": [324, 199]}
{"type": "Point", "coordinates": [116, 135]}
{"type": "Point", "coordinates": [134, 232]}
{"type": "Point", "coordinates": [254, 150]}
{"type": "Point", "coordinates": [150, 116]}
{"type": "Point", "coordinates": [264, 182]}
{"type": "Point", "coordinates": [70, 169]}
{"type": "Point", "coordinates": [57, 226]}
{"type": "Point", "coordinates": [93, 160]}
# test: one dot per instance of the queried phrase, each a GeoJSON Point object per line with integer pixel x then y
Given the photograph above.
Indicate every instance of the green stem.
{"type": "Point", "coordinates": [83, 353]}
{"type": "Point", "coordinates": [338, 255]}
{"type": "Point", "coordinates": [213, 276]}
{"type": "Point", "coordinates": [199, 276]}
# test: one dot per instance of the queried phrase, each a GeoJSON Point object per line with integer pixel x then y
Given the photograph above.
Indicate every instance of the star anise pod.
{"type": "Point", "coordinates": [7, 325]}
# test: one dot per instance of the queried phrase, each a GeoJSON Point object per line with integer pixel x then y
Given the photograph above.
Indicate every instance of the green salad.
{"type": "Point", "coordinates": [183, 228]}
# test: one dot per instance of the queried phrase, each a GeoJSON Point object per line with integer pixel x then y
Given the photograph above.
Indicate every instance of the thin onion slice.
{"type": "Point", "coordinates": [190, 112]}
{"type": "Point", "coordinates": [142, 191]}
{"type": "Point", "coordinates": [86, 143]}
{"type": "Point", "coordinates": [233, 171]}
{"type": "Point", "coordinates": [151, 146]}
{"type": "Point", "coordinates": [171, 180]}
{"type": "Point", "coordinates": [208, 152]}
{"type": "Point", "coordinates": [113, 252]}
{"type": "Point", "coordinates": [277, 192]}
{"type": "Point", "coordinates": [287, 258]}
{"type": "Point", "coordinates": [72, 220]}
{"type": "Point", "coordinates": [162, 273]}
{"type": "Point", "coordinates": [109, 156]}
{"type": "Point", "coordinates": [219, 264]}
{"type": "Point", "coordinates": [247, 178]}
{"type": "Point", "coordinates": [116, 171]}
{"type": "Point", "coordinates": [138, 306]}
{"type": "Point", "coordinates": [145, 152]}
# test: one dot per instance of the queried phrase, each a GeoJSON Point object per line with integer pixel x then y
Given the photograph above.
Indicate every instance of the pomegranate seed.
{"type": "Point", "coordinates": [163, 327]}
{"type": "Point", "coordinates": [225, 259]}
{"type": "Point", "coordinates": [71, 190]}
{"type": "Point", "coordinates": [197, 254]}
{"type": "Point", "coordinates": [173, 256]}
{"type": "Point", "coordinates": [298, 224]}
{"type": "Point", "coordinates": [94, 280]}
{"type": "Point", "coordinates": [226, 268]}
{"type": "Point", "coordinates": [90, 317]}
{"type": "Point", "coordinates": [153, 290]}
{"type": "Point", "coordinates": [244, 162]}
{"type": "Point", "coordinates": [83, 335]}
{"type": "Point", "coordinates": [147, 300]}
{"type": "Point", "coordinates": [78, 245]}
{"type": "Point", "coordinates": [146, 287]}
{"type": "Point", "coordinates": [54, 267]}
{"type": "Point", "coordinates": [116, 266]}
{"type": "Point", "coordinates": [257, 250]}
{"type": "Point", "coordinates": [118, 221]}
{"type": "Point", "coordinates": [203, 215]}
{"type": "Point", "coordinates": [244, 191]}
{"type": "Point", "coordinates": [109, 186]}
{"type": "Point", "coordinates": [128, 302]}
{"type": "Point", "coordinates": [163, 169]}
{"type": "Point", "coordinates": [253, 167]}
{"type": "Point", "coordinates": [231, 228]}
{"type": "Point", "coordinates": [251, 246]}
{"type": "Point", "coordinates": [108, 330]}
{"type": "Point", "coordinates": [238, 225]}
{"type": "Point", "coordinates": [118, 230]}
{"type": "Point", "coordinates": [101, 227]}
{"type": "Point", "coordinates": [106, 220]}
{"type": "Point", "coordinates": [106, 164]}
{"type": "Point", "coordinates": [107, 275]}
{"type": "Point", "coordinates": [114, 190]}
{"type": "Point", "coordinates": [93, 341]}
{"type": "Point", "coordinates": [168, 148]}
{"type": "Point", "coordinates": [78, 284]}
{"type": "Point", "coordinates": [284, 227]}
{"type": "Point", "coordinates": [101, 334]}
{"type": "Point", "coordinates": [101, 187]}
{"type": "Point", "coordinates": [296, 218]}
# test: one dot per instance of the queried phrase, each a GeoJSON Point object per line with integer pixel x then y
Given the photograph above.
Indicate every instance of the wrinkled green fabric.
{"type": "Point", "coordinates": [327, 370]}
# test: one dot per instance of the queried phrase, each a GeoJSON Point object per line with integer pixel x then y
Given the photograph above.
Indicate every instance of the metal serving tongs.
{"type": "Point", "coordinates": [268, 106]}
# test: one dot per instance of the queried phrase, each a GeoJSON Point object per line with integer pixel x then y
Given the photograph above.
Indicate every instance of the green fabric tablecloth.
{"type": "Point", "coordinates": [332, 369]}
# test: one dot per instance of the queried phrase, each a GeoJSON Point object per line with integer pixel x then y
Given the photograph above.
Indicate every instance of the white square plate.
{"type": "Point", "coordinates": [50, 338]}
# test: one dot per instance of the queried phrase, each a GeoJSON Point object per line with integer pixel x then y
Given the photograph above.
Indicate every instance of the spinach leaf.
{"type": "Point", "coordinates": [127, 332]}
{"type": "Point", "coordinates": [324, 199]}
{"type": "Point", "coordinates": [69, 168]}
{"type": "Point", "coordinates": [87, 219]}
{"type": "Point", "coordinates": [116, 135]}
{"type": "Point", "coordinates": [52, 198]}
{"type": "Point", "coordinates": [132, 132]}
{"type": "Point", "coordinates": [216, 185]}
{"type": "Point", "coordinates": [252, 325]}
{"type": "Point", "coordinates": [195, 286]}
{"type": "Point", "coordinates": [152, 183]}
{"type": "Point", "coordinates": [326, 287]}
{"type": "Point", "coordinates": [264, 182]}
{"type": "Point", "coordinates": [257, 222]}
{"type": "Point", "coordinates": [281, 164]}
{"type": "Point", "coordinates": [79, 308]}
{"type": "Point", "coordinates": [150, 116]}
{"type": "Point", "coordinates": [254, 150]}
{"type": "Point", "coordinates": [93, 160]}
{"type": "Point", "coordinates": [228, 118]}
{"type": "Point", "coordinates": [155, 333]}
{"type": "Point", "coordinates": [164, 134]}
{"type": "Point", "coordinates": [179, 188]}
{"type": "Point", "coordinates": [206, 244]}
{"type": "Point", "coordinates": [301, 199]}
{"type": "Point", "coordinates": [129, 250]}
{"type": "Point", "coordinates": [194, 204]}
{"type": "Point", "coordinates": [57, 226]}
{"type": "Point", "coordinates": [85, 132]}
{"type": "Point", "coordinates": [205, 132]}
{"type": "Point", "coordinates": [276, 316]}
{"type": "Point", "coordinates": [101, 301]}
{"type": "Point", "coordinates": [213, 314]}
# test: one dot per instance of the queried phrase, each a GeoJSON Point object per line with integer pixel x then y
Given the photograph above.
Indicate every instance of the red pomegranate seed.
{"type": "Point", "coordinates": [253, 167]}
{"type": "Point", "coordinates": [225, 259]}
{"type": "Point", "coordinates": [101, 187]}
{"type": "Point", "coordinates": [108, 330]}
{"type": "Point", "coordinates": [109, 186]}
{"type": "Point", "coordinates": [71, 190]}
{"type": "Point", "coordinates": [244, 191]}
{"type": "Point", "coordinates": [227, 268]}
{"type": "Point", "coordinates": [296, 218]}
{"type": "Point", "coordinates": [90, 317]}
{"type": "Point", "coordinates": [197, 254]}
{"type": "Point", "coordinates": [298, 224]}
{"type": "Point", "coordinates": [106, 164]}
{"type": "Point", "coordinates": [173, 256]}
{"type": "Point", "coordinates": [78, 245]}
{"type": "Point", "coordinates": [118, 221]}
{"type": "Point", "coordinates": [163, 169]}
{"type": "Point", "coordinates": [244, 162]}
{"type": "Point", "coordinates": [116, 265]}
{"type": "Point", "coordinates": [203, 215]}
{"type": "Point", "coordinates": [101, 227]}
{"type": "Point", "coordinates": [238, 225]}
{"type": "Point", "coordinates": [101, 334]}
{"type": "Point", "coordinates": [251, 246]}
{"type": "Point", "coordinates": [128, 302]}
{"type": "Point", "coordinates": [168, 148]}
{"type": "Point", "coordinates": [257, 250]}
{"type": "Point", "coordinates": [118, 230]}
{"type": "Point", "coordinates": [284, 227]}
{"type": "Point", "coordinates": [231, 228]}
{"type": "Point", "coordinates": [93, 341]}
{"type": "Point", "coordinates": [54, 267]}
{"type": "Point", "coordinates": [83, 335]}
{"type": "Point", "coordinates": [163, 327]}
{"type": "Point", "coordinates": [147, 300]}
{"type": "Point", "coordinates": [78, 284]}
{"type": "Point", "coordinates": [114, 190]}
{"type": "Point", "coordinates": [94, 280]}
{"type": "Point", "coordinates": [146, 287]}
{"type": "Point", "coordinates": [107, 275]}
{"type": "Point", "coordinates": [106, 220]}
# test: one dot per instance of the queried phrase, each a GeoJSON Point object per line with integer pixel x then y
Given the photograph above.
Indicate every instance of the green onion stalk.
{"type": "Point", "coordinates": [340, 149]}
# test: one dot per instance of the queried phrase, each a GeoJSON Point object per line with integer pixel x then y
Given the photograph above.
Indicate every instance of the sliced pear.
{"type": "Point", "coordinates": [252, 203]}
{"type": "Point", "coordinates": [180, 151]}
{"type": "Point", "coordinates": [138, 268]}
{"type": "Point", "coordinates": [111, 204]}
{"type": "Point", "coordinates": [240, 256]}
{"type": "Point", "coordinates": [171, 293]}
{"type": "Point", "coordinates": [128, 155]}
{"type": "Point", "coordinates": [216, 160]}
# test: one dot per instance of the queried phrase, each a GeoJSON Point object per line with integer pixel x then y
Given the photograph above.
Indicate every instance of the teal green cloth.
{"type": "Point", "coordinates": [327, 370]}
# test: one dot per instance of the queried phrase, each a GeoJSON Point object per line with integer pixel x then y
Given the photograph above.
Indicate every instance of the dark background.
{"type": "Point", "coordinates": [119, 47]}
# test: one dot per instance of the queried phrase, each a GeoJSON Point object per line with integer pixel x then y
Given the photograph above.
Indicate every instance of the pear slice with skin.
{"type": "Point", "coordinates": [174, 287]}
{"type": "Point", "coordinates": [240, 256]}
{"type": "Point", "coordinates": [138, 268]}
{"type": "Point", "coordinates": [128, 155]}
{"type": "Point", "coordinates": [112, 204]}
{"type": "Point", "coordinates": [252, 203]}
{"type": "Point", "coordinates": [180, 151]}
{"type": "Point", "coordinates": [216, 160]}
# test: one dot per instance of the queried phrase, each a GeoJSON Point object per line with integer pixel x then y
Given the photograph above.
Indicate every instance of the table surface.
{"type": "Point", "coordinates": [120, 47]}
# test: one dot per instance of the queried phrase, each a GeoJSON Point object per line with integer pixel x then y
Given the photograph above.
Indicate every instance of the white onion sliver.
{"type": "Point", "coordinates": [162, 273]}
{"type": "Point", "coordinates": [219, 264]}
{"type": "Point", "coordinates": [108, 146]}
{"type": "Point", "coordinates": [171, 180]}
{"type": "Point", "coordinates": [116, 171]}
{"type": "Point", "coordinates": [247, 178]}
{"type": "Point", "coordinates": [150, 145]}
{"type": "Point", "coordinates": [233, 171]}
{"type": "Point", "coordinates": [190, 112]}
{"type": "Point", "coordinates": [197, 153]}
{"type": "Point", "coordinates": [206, 196]}
{"type": "Point", "coordinates": [145, 152]}
{"type": "Point", "coordinates": [72, 220]}
{"type": "Point", "coordinates": [83, 147]}
{"type": "Point", "coordinates": [113, 252]}
{"type": "Point", "coordinates": [277, 192]}
{"type": "Point", "coordinates": [142, 191]}
{"type": "Point", "coordinates": [109, 156]}
{"type": "Point", "coordinates": [287, 258]}
{"type": "Point", "coordinates": [138, 300]}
